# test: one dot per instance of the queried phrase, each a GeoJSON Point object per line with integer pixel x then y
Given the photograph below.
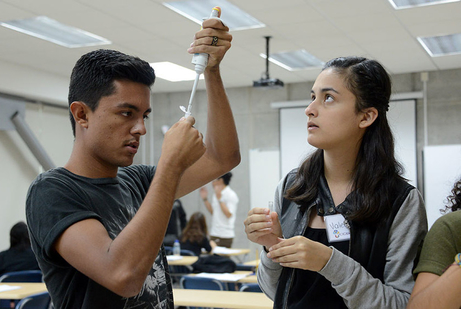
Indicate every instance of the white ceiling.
{"type": "Point", "coordinates": [325, 28]}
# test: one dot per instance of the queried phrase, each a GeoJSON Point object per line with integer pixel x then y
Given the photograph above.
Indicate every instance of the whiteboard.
{"type": "Point", "coordinates": [442, 168]}
{"type": "Point", "coordinates": [402, 120]}
{"type": "Point", "coordinates": [264, 176]}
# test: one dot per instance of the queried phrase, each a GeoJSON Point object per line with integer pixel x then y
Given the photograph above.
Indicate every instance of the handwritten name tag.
{"type": "Point", "coordinates": [337, 229]}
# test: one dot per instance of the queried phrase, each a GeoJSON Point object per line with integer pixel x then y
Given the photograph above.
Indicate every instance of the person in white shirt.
{"type": "Point", "coordinates": [223, 208]}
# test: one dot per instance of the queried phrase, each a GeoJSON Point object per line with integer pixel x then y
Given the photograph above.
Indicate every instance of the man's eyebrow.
{"type": "Point", "coordinates": [326, 90]}
{"type": "Point", "coordinates": [131, 106]}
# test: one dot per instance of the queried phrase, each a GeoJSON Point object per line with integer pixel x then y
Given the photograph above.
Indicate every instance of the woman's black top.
{"type": "Point", "coordinates": [310, 289]}
{"type": "Point", "coordinates": [196, 247]}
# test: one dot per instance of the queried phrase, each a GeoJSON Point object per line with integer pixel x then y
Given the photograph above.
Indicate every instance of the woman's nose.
{"type": "Point", "coordinates": [311, 109]}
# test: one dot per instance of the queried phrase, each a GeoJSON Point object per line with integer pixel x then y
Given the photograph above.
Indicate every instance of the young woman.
{"type": "Point", "coordinates": [195, 235]}
{"type": "Point", "coordinates": [346, 227]}
{"type": "Point", "coordinates": [439, 268]}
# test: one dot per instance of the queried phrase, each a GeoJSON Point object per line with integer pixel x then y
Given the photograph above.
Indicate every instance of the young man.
{"type": "Point", "coordinates": [97, 224]}
{"type": "Point", "coordinates": [223, 208]}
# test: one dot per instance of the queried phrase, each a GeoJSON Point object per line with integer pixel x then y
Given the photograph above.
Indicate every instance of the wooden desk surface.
{"type": "Point", "coordinates": [25, 290]}
{"type": "Point", "coordinates": [252, 263]}
{"type": "Point", "coordinates": [184, 261]}
{"type": "Point", "coordinates": [221, 299]}
{"type": "Point", "coordinates": [249, 279]}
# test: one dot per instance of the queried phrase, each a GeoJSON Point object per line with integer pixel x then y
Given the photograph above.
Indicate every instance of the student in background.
{"type": "Point", "coordinates": [195, 235]}
{"type": "Point", "coordinates": [19, 256]}
{"type": "Point", "coordinates": [177, 223]}
{"type": "Point", "coordinates": [438, 281]}
{"type": "Point", "coordinates": [97, 224]}
{"type": "Point", "coordinates": [346, 227]}
{"type": "Point", "coordinates": [223, 209]}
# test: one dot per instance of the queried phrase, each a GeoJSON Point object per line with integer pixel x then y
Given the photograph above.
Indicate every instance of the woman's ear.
{"type": "Point", "coordinates": [79, 111]}
{"type": "Point", "coordinates": [369, 116]}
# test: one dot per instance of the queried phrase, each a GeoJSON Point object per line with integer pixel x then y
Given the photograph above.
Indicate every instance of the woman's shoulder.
{"type": "Point", "coordinates": [452, 220]}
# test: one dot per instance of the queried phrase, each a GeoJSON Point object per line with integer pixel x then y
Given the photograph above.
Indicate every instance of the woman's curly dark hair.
{"type": "Point", "coordinates": [454, 200]}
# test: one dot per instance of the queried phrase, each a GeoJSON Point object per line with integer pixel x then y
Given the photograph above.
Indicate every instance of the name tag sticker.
{"type": "Point", "coordinates": [337, 229]}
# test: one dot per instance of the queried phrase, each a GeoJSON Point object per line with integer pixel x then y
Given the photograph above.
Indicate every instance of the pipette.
{"type": "Point", "coordinates": [200, 60]}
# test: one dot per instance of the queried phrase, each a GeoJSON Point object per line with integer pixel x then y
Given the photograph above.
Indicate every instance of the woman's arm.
{"type": "Point", "coordinates": [269, 272]}
{"type": "Point", "coordinates": [432, 291]}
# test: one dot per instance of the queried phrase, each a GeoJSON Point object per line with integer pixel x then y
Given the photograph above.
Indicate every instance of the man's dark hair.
{"type": "Point", "coordinates": [94, 74]}
{"type": "Point", "coordinates": [19, 236]}
{"type": "Point", "coordinates": [226, 178]}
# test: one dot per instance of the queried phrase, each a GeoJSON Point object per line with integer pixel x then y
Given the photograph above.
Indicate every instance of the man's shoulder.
{"type": "Point", "coordinates": [51, 173]}
{"type": "Point", "coordinates": [50, 177]}
{"type": "Point", "coordinates": [229, 190]}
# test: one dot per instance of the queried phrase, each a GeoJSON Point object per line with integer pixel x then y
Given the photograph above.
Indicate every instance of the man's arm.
{"type": "Point", "coordinates": [223, 151]}
{"type": "Point", "coordinates": [204, 196]}
{"type": "Point", "coordinates": [225, 209]}
{"type": "Point", "coordinates": [122, 264]}
{"type": "Point", "coordinates": [218, 188]}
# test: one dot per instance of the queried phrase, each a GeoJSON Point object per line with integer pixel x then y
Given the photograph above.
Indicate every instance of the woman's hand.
{"type": "Point", "coordinates": [300, 252]}
{"type": "Point", "coordinates": [263, 227]}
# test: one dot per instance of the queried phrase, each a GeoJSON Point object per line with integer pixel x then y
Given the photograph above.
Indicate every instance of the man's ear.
{"type": "Point", "coordinates": [80, 112]}
{"type": "Point", "coordinates": [369, 116]}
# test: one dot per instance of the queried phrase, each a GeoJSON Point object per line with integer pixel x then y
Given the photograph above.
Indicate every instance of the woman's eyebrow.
{"type": "Point", "coordinates": [326, 90]}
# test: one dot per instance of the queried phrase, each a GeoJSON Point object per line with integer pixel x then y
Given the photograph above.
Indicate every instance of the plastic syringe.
{"type": "Point", "coordinates": [200, 60]}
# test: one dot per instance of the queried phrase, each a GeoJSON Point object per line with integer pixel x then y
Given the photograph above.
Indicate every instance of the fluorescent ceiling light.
{"type": "Point", "coordinates": [442, 45]}
{"type": "Point", "coordinates": [232, 16]}
{"type": "Point", "coordinates": [294, 60]}
{"type": "Point", "coordinates": [173, 72]}
{"type": "Point", "coordinates": [51, 30]}
{"type": "Point", "coordinates": [405, 4]}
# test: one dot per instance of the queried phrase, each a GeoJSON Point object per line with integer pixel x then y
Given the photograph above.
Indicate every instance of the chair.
{"type": "Point", "coordinates": [245, 267]}
{"type": "Point", "coordinates": [250, 287]}
{"type": "Point", "coordinates": [187, 252]}
{"type": "Point", "coordinates": [168, 250]}
{"type": "Point", "coordinates": [22, 276]}
{"type": "Point", "coordinates": [19, 276]}
{"type": "Point", "coordinates": [199, 283]}
{"type": "Point", "coordinates": [178, 270]}
{"type": "Point", "coordinates": [36, 301]}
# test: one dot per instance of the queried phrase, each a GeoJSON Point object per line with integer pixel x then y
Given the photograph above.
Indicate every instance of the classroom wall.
{"type": "Point", "coordinates": [257, 125]}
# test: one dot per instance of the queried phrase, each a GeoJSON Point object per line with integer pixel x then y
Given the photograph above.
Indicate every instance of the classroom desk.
{"type": "Point", "coordinates": [250, 278]}
{"type": "Point", "coordinates": [252, 263]}
{"type": "Point", "coordinates": [230, 251]}
{"type": "Point", "coordinates": [221, 299]}
{"type": "Point", "coordinates": [184, 261]}
{"type": "Point", "coordinates": [189, 260]}
{"type": "Point", "coordinates": [25, 290]}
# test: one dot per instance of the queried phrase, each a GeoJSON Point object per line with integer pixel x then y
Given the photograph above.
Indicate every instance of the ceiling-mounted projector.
{"type": "Point", "coordinates": [266, 81]}
{"type": "Point", "coordinates": [269, 83]}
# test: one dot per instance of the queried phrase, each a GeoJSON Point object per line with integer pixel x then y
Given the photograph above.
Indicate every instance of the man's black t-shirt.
{"type": "Point", "coordinates": [56, 200]}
